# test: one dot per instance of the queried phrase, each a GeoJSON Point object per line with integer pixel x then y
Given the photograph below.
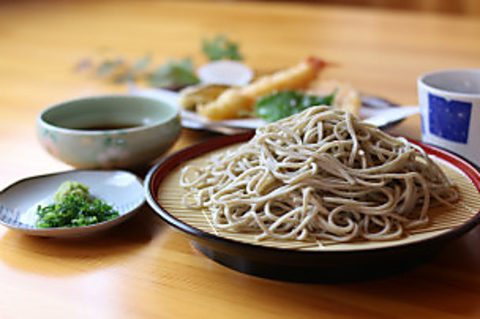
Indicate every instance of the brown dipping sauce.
{"type": "Point", "coordinates": [108, 127]}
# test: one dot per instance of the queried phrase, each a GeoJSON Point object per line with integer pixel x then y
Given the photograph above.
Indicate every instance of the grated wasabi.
{"type": "Point", "coordinates": [74, 206]}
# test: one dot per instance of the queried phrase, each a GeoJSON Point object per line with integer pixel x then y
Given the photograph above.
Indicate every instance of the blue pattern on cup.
{"type": "Point", "coordinates": [449, 119]}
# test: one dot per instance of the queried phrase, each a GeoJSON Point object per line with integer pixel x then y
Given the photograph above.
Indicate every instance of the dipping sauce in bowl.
{"type": "Point", "coordinates": [450, 110]}
{"type": "Point", "coordinates": [107, 127]}
{"type": "Point", "coordinates": [110, 131]}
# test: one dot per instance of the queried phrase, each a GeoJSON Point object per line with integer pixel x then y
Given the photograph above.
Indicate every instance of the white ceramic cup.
{"type": "Point", "coordinates": [450, 109]}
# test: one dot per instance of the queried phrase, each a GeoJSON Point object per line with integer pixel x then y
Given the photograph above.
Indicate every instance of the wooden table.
{"type": "Point", "coordinates": [145, 269]}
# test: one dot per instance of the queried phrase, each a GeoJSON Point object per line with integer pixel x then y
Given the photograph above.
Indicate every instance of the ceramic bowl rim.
{"type": "Point", "coordinates": [71, 131]}
{"type": "Point", "coordinates": [424, 81]}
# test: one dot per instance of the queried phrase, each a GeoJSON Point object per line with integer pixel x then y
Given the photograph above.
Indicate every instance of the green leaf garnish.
{"type": "Point", "coordinates": [221, 48]}
{"type": "Point", "coordinates": [108, 67]}
{"type": "Point", "coordinates": [276, 106]}
{"type": "Point", "coordinates": [142, 63]}
{"type": "Point", "coordinates": [174, 74]}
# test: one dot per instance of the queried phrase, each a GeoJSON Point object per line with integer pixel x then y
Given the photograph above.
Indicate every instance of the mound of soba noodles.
{"type": "Point", "coordinates": [320, 174]}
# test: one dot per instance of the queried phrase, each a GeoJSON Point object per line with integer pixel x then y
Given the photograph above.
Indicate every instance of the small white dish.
{"type": "Point", "coordinates": [225, 72]}
{"type": "Point", "coordinates": [19, 202]}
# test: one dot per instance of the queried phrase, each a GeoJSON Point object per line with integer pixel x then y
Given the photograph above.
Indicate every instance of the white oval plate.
{"type": "Point", "coordinates": [374, 110]}
{"type": "Point", "coordinates": [19, 201]}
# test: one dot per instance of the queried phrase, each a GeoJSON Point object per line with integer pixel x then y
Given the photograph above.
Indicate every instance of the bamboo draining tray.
{"type": "Point", "coordinates": [441, 219]}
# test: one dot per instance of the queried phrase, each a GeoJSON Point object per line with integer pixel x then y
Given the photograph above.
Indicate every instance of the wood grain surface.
{"type": "Point", "coordinates": [143, 268]}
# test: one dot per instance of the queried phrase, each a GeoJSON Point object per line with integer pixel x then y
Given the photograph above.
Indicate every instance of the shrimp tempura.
{"type": "Point", "coordinates": [235, 101]}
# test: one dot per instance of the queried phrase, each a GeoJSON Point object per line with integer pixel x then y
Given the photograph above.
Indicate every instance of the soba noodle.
{"type": "Point", "coordinates": [320, 174]}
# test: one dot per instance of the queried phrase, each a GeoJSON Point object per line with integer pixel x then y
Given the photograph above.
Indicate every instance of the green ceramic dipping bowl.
{"type": "Point", "coordinates": [110, 131]}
